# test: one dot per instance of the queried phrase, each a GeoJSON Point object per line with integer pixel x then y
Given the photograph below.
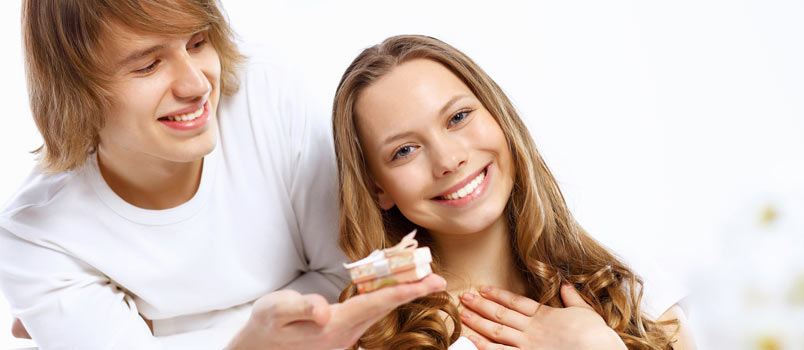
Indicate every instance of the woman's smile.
{"type": "Point", "coordinates": [466, 191]}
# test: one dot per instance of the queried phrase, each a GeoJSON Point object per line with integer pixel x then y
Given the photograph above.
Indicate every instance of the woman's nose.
{"type": "Point", "coordinates": [448, 157]}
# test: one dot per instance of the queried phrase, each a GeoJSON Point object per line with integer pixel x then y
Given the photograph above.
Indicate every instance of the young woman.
{"type": "Point", "coordinates": [425, 139]}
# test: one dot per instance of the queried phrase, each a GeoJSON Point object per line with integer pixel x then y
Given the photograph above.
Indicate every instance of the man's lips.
{"type": "Point", "coordinates": [461, 184]}
{"type": "Point", "coordinates": [185, 110]}
{"type": "Point", "coordinates": [188, 121]}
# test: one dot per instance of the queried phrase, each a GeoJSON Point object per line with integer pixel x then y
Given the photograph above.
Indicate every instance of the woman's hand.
{"type": "Point", "coordinates": [510, 321]}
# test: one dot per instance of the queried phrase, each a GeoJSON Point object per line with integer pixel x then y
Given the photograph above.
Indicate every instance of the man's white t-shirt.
{"type": "Point", "coordinates": [79, 265]}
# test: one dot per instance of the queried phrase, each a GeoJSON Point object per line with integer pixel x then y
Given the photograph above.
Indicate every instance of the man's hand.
{"type": "Point", "coordinates": [18, 330]}
{"type": "Point", "coordinates": [289, 320]}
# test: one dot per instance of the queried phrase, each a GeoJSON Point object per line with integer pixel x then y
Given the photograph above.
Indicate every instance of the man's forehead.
{"type": "Point", "coordinates": [121, 43]}
{"type": "Point", "coordinates": [119, 36]}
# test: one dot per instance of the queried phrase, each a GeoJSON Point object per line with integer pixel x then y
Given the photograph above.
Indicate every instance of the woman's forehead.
{"type": "Point", "coordinates": [417, 86]}
{"type": "Point", "coordinates": [410, 98]}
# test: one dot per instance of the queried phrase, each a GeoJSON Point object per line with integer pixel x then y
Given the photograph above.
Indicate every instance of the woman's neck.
{"type": "Point", "coordinates": [468, 261]}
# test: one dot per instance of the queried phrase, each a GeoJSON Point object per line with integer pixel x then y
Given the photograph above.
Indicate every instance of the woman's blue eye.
{"type": "Point", "coordinates": [404, 151]}
{"type": "Point", "coordinates": [458, 117]}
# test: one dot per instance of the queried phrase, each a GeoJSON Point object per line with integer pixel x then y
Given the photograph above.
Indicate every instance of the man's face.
{"type": "Point", "coordinates": [165, 92]}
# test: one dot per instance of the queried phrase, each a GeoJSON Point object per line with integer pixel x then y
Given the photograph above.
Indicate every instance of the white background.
{"type": "Point", "coordinates": [665, 122]}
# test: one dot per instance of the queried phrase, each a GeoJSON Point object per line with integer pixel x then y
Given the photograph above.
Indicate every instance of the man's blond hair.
{"type": "Point", "coordinates": [67, 79]}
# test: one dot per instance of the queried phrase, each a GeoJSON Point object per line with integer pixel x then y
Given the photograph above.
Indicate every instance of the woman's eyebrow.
{"type": "Point", "coordinates": [395, 137]}
{"type": "Point", "coordinates": [451, 102]}
{"type": "Point", "coordinates": [443, 111]}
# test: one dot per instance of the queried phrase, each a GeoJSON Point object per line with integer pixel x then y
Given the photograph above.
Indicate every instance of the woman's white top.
{"type": "Point", "coordinates": [661, 291]}
{"type": "Point", "coordinates": [79, 265]}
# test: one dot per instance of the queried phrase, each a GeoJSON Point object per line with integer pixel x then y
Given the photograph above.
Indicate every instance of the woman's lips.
{"type": "Point", "coordinates": [449, 198]}
{"type": "Point", "coordinates": [463, 183]}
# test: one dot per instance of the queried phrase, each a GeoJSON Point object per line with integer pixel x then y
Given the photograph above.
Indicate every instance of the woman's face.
{"type": "Point", "coordinates": [434, 151]}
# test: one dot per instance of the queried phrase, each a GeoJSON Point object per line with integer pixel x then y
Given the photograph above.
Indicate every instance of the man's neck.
{"type": "Point", "coordinates": [482, 258]}
{"type": "Point", "coordinates": [147, 182]}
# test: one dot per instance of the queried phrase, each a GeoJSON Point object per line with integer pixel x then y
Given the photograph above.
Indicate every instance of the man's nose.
{"type": "Point", "coordinates": [190, 82]}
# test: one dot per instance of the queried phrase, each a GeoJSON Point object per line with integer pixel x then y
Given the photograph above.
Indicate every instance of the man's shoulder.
{"type": "Point", "coordinates": [39, 197]}
{"type": "Point", "coordinates": [272, 99]}
{"type": "Point", "coordinates": [266, 68]}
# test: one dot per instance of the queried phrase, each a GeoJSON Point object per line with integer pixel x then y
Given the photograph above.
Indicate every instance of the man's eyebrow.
{"type": "Point", "coordinates": [140, 54]}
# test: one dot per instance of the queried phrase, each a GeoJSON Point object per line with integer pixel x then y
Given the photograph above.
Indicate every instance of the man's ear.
{"type": "Point", "coordinates": [385, 200]}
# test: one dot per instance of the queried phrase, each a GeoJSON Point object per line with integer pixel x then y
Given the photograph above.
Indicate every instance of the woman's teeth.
{"type": "Point", "coordinates": [187, 116]}
{"type": "Point", "coordinates": [469, 188]}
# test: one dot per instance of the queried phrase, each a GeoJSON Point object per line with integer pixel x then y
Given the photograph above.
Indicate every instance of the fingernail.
{"type": "Point", "coordinates": [474, 339]}
{"type": "Point", "coordinates": [485, 289]}
{"type": "Point", "coordinates": [465, 314]}
{"type": "Point", "coordinates": [308, 307]}
{"type": "Point", "coordinates": [441, 285]}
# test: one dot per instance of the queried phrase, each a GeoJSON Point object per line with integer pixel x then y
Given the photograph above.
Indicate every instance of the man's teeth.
{"type": "Point", "coordinates": [469, 188]}
{"type": "Point", "coordinates": [187, 116]}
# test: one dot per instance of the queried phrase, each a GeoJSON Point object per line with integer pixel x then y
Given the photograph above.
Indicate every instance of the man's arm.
{"type": "Point", "coordinates": [64, 303]}
{"type": "Point", "coordinates": [18, 330]}
{"type": "Point", "coordinates": [314, 197]}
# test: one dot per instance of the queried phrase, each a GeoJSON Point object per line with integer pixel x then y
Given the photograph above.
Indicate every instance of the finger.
{"type": "Point", "coordinates": [369, 308]}
{"type": "Point", "coordinates": [18, 330]}
{"type": "Point", "coordinates": [483, 344]}
{"type": "Point", "coordinates": [320, 309]}
{"type": "Point", "coordinates": [513, 301]}
{"type": "Point", "coordinates": [571, 297]}
{"type": "Point", "coordinates": [494, 311]}
{"type": "Point", "coordinates": [283, 307]}
{"type": "Point", "coordinates": [494, 331]}
{"type": "Point", "coordinates": [354, 316]}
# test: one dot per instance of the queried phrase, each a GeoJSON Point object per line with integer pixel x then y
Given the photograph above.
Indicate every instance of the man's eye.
{"type": "Point", "coordinates": [458, 117]}
{"type": "Point", "coordinates": [197, 44]}
{"type": "Point", "coordinates": [198, 40]}
{"type": "Point", "coordinates": [404, 151]}
{"type": "Point", "coordinates": [148, 69]}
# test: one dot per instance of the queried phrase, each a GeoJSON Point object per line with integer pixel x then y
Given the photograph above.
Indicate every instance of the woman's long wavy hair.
{"type": "Point", "coordinates": [549, 245]}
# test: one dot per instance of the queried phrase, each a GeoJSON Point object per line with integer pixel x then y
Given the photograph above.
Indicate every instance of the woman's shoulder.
{"type": "Point", "coordinates": [661, 288]}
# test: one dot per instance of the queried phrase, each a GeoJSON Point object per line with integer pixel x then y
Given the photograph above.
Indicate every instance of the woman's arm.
{"type": "Point", "coordinates": [680, 333]}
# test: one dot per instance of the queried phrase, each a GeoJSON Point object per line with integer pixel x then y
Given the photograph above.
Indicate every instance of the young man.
{"type": "Point", "coordinates": [178, 187]}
